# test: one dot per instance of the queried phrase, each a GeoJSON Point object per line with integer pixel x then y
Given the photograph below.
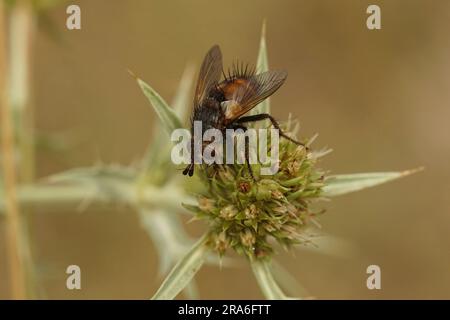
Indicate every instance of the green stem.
{"type": "Point", "coordinates": [21, 32]}
{"type": "Point", "coordinates": [264, 277]}
{"type": "Point", "coordinates": [13, 225]}
{"type": "Point", "coordinates": [21, 29]}
{"type": "Point", "coordinates": [20, 40]}
{"type": "Point", "coordinates": [55, 196]}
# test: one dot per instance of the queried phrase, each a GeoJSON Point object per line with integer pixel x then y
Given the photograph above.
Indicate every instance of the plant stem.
{"type": "Point", "coordinates": [20, 40]}
{"type": "Point", "coordinates": [57, 196]}
{"type": "Point", "coordinates": [9, 175]}
{"type": "Point", "coordinates": [264, 277]}
{"type": "Point", "coordinates": [21, 27]}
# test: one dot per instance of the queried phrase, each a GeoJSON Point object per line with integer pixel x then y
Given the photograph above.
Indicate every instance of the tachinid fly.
{"type": "Point", "coordinates": [223, 104]}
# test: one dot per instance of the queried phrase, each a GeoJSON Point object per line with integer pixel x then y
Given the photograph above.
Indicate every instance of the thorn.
{"type": "Point", "coordinates": [263, 30]}
{"type": "Point", "coordinates": [132, 74]}
{"type": "Point", "coordinates": [312, 139]}
{"type": "Point", "coordinates": [412, 171]}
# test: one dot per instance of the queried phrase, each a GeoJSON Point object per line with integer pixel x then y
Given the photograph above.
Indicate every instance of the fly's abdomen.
{"type": "Point", "coordinates": [229, 88]}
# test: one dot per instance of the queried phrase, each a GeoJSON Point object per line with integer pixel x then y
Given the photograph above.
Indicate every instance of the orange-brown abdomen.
{"type": "Point", "coordinates": [230, 87]}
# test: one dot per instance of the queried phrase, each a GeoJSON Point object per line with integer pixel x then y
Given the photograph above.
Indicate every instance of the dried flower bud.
{"type": "Point", "coordinates": [293, 167]}
{"type": "Point", "coordinates": [251, 211]}
{"type": "Point", "coordinates": [276, 194]}
{"type": "Point", "coordinates": [221, 243]}
{"type": "Point", "coordinates": [205, 204]}
{"type": "Point", "coordinates": [248, 239]}
{"type": "Point", "coordinates": [228, 212]}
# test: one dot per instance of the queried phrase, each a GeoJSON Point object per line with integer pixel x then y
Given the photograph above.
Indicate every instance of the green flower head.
{"type": "Point", "coordinates": [245, 214]}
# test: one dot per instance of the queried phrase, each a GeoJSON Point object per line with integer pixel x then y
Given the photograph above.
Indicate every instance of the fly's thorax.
{"type": "Point", "coordinates": [210, 114]}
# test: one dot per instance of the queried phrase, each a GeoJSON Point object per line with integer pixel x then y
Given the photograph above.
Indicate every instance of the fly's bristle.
{"type": "Point", "coordinates": [240, 70]}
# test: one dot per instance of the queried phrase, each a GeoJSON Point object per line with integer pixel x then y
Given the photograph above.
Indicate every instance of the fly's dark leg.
{"type": "Point", "coordinates": [247, 150]}
{"type": "Point", "coordinates": [264, 116]}
{"type": "Point", "coordinates": [189, 170]}
{"type": "Point", "coordinates": [247, 157]}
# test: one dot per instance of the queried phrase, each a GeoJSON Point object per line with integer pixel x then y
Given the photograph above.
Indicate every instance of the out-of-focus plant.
{"type": "Point", "coordinates": [23, 16]}
{"type": "Point", "coordinates": [158, 193]}
{"type": "Point", "coordinates": [144, 188]}
{"type": "Point", "coordinates": [9, 173]}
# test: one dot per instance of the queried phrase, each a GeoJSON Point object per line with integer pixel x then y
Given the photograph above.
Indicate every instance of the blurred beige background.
{"type": "Point", "coordinates": [380, 99]}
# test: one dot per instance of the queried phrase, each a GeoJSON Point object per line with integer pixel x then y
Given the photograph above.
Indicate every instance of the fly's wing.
{"type": "Point", "coordinates": [253, 91]}
{"type": "Point", "coordinates": [209, 76]}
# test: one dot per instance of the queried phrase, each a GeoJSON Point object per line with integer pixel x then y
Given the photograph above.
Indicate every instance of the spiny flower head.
{"type": "Point", "coordinates": [246, 215]}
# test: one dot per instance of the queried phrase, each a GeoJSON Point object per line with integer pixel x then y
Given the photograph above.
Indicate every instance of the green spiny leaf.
{"type": "Point", "coordinates": [191, 291]}
{"type": "Point", "coordinates": [262, 65]}
{"type": "Point", "coordinates": [181, 101]}
{"type": "Point", "coordinates": [167, 234]}
{"type": "Point", "coordinates": [158, 153]}
{"type": "Point", "coordinates": [183, 272]}
{"type": "Point", "coordinates": [345, 183]}
{"type": "Point", "coordinates": [169, 119]}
